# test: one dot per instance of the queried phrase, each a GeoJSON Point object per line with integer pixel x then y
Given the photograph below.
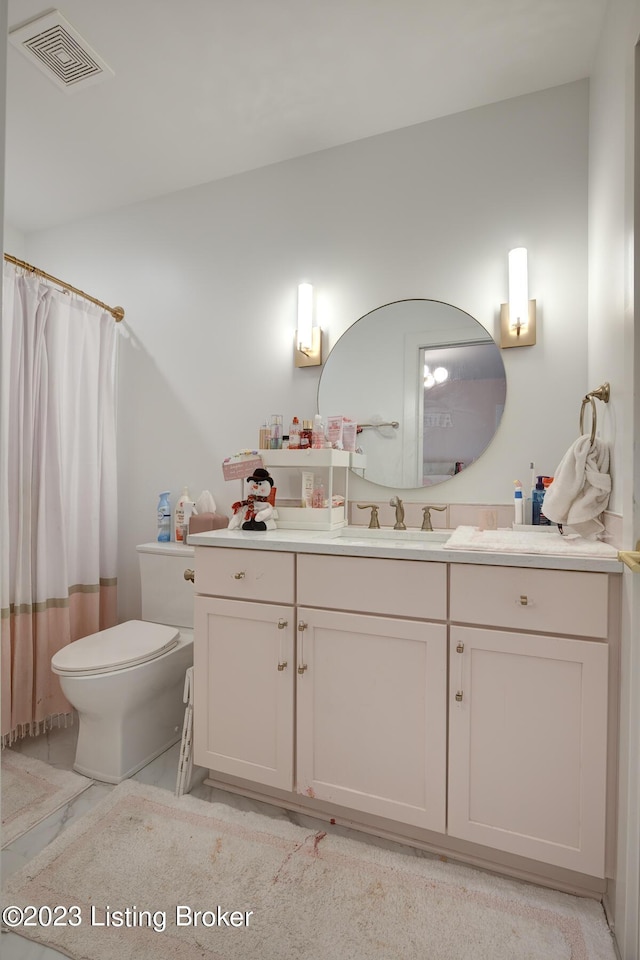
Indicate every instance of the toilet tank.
{"type": "Point", "coordinates": [166, 596]}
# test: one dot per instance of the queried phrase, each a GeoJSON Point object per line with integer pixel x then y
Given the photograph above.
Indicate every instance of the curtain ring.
{"type": "Point", "coordinates": [590, 400]}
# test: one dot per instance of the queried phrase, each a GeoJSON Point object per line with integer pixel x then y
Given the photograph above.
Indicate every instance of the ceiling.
{"type": "Point", "coordinates": [204, 89]}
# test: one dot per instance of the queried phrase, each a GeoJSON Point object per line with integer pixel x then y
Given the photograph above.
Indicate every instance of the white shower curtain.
{"type": "Point", "coordinates": [58, 509]}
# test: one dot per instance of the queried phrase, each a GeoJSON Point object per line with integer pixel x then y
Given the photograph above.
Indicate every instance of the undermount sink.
{"type": "Point", "coordinates": [388, 533]}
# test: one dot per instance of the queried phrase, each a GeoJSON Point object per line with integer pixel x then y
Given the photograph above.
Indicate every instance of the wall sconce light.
{"type": "Point", "coordinates": [308, 345]}
{"type": "Point", "coordinates": [518, 317]}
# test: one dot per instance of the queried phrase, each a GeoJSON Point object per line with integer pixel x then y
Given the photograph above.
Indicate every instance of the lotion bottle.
{"type": "Point", "coordinates": [306, 435]}
{"type": "Point", "coordinates": [264, 436]}
{"type": "Point", "coordinates": [318, 494]}
{"type": "Point", "coordinates": [518, 503]}
{"type": "Point", "coordinates": [294, 434]}
{"type": "Point", "coordinates": [318, 437]}
{"type": "Point", "coordinates": [179, 514]}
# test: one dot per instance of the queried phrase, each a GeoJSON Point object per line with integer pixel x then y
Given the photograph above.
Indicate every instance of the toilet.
{"type": "Point", "coordinates": [127, 682]}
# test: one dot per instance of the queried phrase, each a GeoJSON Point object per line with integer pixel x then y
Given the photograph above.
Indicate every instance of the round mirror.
{"type": "Point", "coordinates": [425, 383]}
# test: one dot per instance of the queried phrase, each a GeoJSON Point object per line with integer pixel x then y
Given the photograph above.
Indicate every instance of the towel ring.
{"type": "Point", "coordinates": [594, 419]}
{"type": "Point", "coordinates": [602, 393]}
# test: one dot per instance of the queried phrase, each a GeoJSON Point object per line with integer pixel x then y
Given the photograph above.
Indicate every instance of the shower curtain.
{"type": "Point", "coordinates": [58, 509]}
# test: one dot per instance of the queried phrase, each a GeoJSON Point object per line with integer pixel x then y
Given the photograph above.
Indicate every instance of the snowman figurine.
{"type": "Point", "coordinates": [256, 512]}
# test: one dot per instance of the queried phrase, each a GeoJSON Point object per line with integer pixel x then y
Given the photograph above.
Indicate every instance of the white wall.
{"type": "Point", "coordinates": [15, 242]}
{"type": "Point", "coordinates": [614, 354]}
{"type": "Point", "coordinates": [208, 280]}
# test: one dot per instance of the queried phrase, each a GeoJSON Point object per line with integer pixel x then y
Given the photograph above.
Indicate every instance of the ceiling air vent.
{"type": "Point", "coordinates": [51, 43]}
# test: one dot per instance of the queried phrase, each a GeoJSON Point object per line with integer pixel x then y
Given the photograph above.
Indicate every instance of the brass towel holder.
{"type": "Point", "coordinates": [602, 393]}
{"type": "Point", "coordinates": [631, 558]}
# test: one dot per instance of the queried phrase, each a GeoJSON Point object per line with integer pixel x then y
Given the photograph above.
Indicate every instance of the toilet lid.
{"type": "Point", "coordinates": [122, 646]}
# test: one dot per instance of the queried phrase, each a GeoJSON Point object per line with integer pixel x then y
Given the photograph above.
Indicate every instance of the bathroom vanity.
{"type": "Point", "coordinates": [461, 702]}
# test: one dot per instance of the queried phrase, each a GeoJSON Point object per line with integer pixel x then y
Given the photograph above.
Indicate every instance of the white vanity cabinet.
{"type": "Point", "coordinates": [244, 664]}
{"type": "Point", "coordinates": [371, 691]}
{"type": "Point", "coordinates": [528, 713]}
{"type": "Point", "coordinates": [466, 707]}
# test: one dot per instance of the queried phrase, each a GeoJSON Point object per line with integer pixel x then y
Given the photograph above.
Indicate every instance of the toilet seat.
{"type": "Point", "coordinates": [124, 645]}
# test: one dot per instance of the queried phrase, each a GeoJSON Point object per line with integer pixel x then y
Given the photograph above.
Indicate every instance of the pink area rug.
{"type": "Point", "coordinates": [150, 876]}
{"type": "Point", "coordinates": [31, 791]}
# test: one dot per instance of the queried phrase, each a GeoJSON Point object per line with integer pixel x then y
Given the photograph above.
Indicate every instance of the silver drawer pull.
{"type": "Point", "coordinates": [523, 601]}
{"type": "Point", "coordinates": [459, 696]}
{"type": "Point", "coordinates": [190, 575]}
{"type": "Point", "coordinates": [239, 576]}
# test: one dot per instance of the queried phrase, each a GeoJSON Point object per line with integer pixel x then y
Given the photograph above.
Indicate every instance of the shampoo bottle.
{"type": "Point", "coordinates": [179, 514]}
{"type": "Point", "coordinates": [164, 518]}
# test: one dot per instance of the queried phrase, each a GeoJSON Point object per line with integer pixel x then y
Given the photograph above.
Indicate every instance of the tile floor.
{"type": "Point", "coordinates": [57, 747]}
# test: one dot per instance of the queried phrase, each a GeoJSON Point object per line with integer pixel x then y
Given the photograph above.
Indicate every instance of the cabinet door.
{"type": "Point", "coordinates": [372, 715]}
{"type": "Point", "coordinates": [243, 689]}
{"type": "Point", "coordinates": [527, 749]}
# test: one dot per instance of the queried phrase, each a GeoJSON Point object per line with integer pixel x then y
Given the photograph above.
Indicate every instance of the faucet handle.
{"type": "Point", "coordinates": [374, 522]}
{"type": "Point", "coordinates": [426, 516]}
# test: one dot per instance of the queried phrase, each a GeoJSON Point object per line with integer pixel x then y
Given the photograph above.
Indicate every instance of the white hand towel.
{"type": "Point", "coordinates": [581, 488]}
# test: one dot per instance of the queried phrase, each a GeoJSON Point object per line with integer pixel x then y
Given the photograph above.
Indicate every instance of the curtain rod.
{"type": "Point", "coordinates": [116, 312]}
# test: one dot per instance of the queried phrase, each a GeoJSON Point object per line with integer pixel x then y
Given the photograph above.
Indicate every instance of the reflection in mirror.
{"type": "Point", "coordinates": [427, 380]}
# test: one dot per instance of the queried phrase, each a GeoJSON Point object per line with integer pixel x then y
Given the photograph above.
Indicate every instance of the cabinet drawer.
{"type": "Point", "coordinates": [245, 574]}
{"type": "Point", "coordinates": [554, 601]}
{"type": "Point", "coordinates": [400, 588]}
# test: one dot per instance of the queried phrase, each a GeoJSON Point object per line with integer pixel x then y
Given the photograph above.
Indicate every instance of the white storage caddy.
{"type": "Point", "coordinates": [333, 466]}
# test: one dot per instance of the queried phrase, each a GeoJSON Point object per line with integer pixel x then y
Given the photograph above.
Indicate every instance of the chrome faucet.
{"type": "Point", "coordinates": [397, 503]}
{"type": "Point", "coordinates": [374, 522]}
{"type": "Point", "coordinates": [426, 516]}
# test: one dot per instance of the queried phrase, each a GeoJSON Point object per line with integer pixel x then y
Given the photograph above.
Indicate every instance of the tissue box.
{"type": "Point", "coordinates": [202, 522]}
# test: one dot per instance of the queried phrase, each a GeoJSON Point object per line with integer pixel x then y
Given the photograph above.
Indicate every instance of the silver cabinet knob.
{"type": "Point", "coordinates": [190, 575]}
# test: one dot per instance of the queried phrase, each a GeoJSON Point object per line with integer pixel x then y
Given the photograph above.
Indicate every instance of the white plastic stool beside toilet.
{"type": "Point", "coordinates": [127, 682]}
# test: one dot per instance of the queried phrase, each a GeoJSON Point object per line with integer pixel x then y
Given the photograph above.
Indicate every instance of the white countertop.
{"type": "Point", "coordinates": [349, 541]}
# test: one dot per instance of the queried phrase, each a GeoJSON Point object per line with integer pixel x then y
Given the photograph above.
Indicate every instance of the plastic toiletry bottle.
{"type": "Point", "coordinates": [318, 493]}
{"type": "Point", "coordinates": [264, 437]}
{"type": "Point", "coordinates": [276, 432]}
{"type": "Point", "coordinates": [518, 502]}
{"type": "Point", "coordinates": [306, 435]}
{"type": "Point", "coordinates": [318, 437]}
{"type": "Point", "coordinates": [179, 513]}
{"type": "Point", "coordinates": [164, 518]}
{"type": "Point", "coordinates": [189, 510]}
{"type": "Point", "coordinates": [294, 434]}
{"type": "Point", "coordinates": [538, 518]}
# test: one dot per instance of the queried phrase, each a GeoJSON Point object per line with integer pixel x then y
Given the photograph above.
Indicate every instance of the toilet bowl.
{"type": "Point", "coordinates": [127, 682]}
